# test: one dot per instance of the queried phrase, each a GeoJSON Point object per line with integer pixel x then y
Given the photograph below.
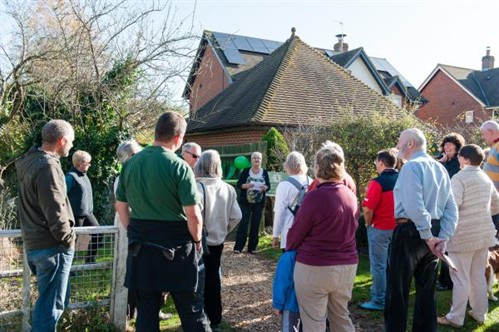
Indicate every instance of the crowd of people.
{"type": "Point", "coordinates": [414, 213]}
{"type": "Point", "coordinates": [176, 212]}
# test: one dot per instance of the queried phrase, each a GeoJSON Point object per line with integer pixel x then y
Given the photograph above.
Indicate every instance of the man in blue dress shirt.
{"type": "Point", "coordinates": [426, 215]}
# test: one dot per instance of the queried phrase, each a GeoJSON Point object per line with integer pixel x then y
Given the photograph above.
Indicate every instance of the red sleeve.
{"type": "Point", "coordinates": [373, 195]}
{"type": "Point", "coordinates": [313, 185]}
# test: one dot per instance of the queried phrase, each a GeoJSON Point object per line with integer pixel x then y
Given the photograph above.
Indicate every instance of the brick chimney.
{"type": "Point", "coordinates": [341, 46]}
{"type": "Point", "coordinates": [488, 60]}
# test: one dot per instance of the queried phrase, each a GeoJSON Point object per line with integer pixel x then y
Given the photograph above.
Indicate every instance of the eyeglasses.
{"type": "Point", "coordinates": [195, 156]}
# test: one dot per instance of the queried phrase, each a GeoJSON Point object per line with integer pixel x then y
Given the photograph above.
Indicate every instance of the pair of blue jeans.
{"type": "Point", "coordinates": [378, 242]}
{"type": "Point", "coordinates": [51, 267]}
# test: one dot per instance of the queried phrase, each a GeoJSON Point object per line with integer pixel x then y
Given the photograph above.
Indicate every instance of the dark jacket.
{"type": "Point", "coordinates": [452, 166]}
{"type": "Point", "coordinates": [79, 193]}
{"type": "Point", "coordinates": [44, 209]}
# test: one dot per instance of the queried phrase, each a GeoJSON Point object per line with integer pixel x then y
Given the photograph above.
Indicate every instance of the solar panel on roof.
{"type": "Point", "coordinates": [329, 53]}
{"type": "Point", "coordinates": [242, 44]}
{"type": "Point", "coordinates": [258, 45]}
{"type": "Point", "coordinates": [383, 65]}
{"type": "Point", "coordinates": [271, 45]}
{"type": "Point", "coordinates": [223, 39]}
{"type": "Point", "coordinates": [233, 56]}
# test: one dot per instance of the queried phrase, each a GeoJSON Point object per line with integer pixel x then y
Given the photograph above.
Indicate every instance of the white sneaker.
{"type": "Point", "coordinates": [164, 316]}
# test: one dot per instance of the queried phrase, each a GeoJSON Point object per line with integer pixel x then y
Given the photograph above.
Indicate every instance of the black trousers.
{"type": "Point", "coordinates": [251, 212]}
{"type": "Point", "coordinates": [410, 256]}
{"type": "Point", "coordinates": [96, 240]}
{"type": "Point", "coordinates": [213, 285]}
{"type": "Point", "coordinates": [189, 307]}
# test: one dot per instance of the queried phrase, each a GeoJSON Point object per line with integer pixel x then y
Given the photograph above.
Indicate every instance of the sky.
{"type": "Point", "coordinates": [414, 36]}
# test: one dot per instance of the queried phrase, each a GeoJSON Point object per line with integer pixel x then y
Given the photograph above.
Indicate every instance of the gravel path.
{"type": "Point", "coordinates": [247, 291]}
{"type": "Point", "coordinates": [247, 295]}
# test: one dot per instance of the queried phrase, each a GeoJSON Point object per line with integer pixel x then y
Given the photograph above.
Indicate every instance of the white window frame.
{"type": "Point", "coordinates": [396, 99]}
{"type": "Point", "coordinates": [468, 118]}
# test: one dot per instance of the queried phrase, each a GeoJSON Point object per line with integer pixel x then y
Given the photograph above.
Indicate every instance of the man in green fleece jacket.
{"type": "Point", "coordinates": [47, 221]}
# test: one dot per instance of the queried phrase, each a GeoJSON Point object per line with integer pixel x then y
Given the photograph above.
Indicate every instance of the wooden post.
{"type": "Point", "coordinates": [26, 293]}
{"type": "Point", "coordinates": [119, 294]}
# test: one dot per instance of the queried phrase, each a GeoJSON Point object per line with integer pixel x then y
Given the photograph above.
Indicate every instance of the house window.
{"type": "Point", "coordinates": [469, 117]}
{"type": "Point", "coordinates": [397, 100]}
{"type": "Point", "coordinates": [495, 114]}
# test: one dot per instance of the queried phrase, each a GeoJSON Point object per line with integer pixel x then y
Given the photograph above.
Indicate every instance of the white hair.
{"type": "Point", "coordinates": [417, 136]}
{"type": "Point", "coordinates": [333, 146]}
{"type": "Point", "coordinates": [489, 125]}
{"type": "Point", "coordinates": [126, 150]}
{"type": "Point", "coordinates": [190, 145]}
{"type": "Point", "coordinates": [296, 163]}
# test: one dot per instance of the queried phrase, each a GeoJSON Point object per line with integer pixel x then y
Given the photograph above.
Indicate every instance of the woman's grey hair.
{"type": "Point", "coordinates": [126, 150]}
{"type": "Point", "coordinates": [256, 153]}
{"type": "Point", "coordinates": [209, 165]}
{"type": "Point", "coordinates": [54, 130]}
{"type": "Point", "coordinates": [334, 146]}
{"type": "Point", "coordinates": [329, 163]}
{"type": "Point", "coordinates": [81, 156]}
{"type": "Point", "coordinates": [295, 163]}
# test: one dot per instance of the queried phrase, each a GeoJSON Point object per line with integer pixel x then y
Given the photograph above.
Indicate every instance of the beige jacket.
{"type": "Point", "coordinates": [477, 200]}
{"type": "Point", "coordinates": [220, 209]}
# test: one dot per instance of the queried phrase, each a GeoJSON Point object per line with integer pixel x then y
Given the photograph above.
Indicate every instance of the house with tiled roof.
{"type": "Point", "coordinates": [458, 95]}
{"type": "Point", "coordinates": [295, 85]}
{"type": "Point", "coordinates": [222, 57]}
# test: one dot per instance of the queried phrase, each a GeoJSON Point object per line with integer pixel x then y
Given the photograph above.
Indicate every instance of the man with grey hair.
{"type": "Point", "coordinates": [490, 134]}
{"type": "Point", "coordinates": [47, 222]}
{"type": "Point", "coordinates": [190, 153]}
{"type": "Point", "coordinates": [426, 217]}
{"type": "Point", "coordinates": [157, 202]}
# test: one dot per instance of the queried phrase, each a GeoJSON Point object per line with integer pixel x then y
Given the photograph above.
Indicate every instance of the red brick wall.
{"type": "Point", "coordinates": [210, 81]}
{"type": "Point", "coordinates": [226, 138]}
{"type": "Point", "coordinates": [447, 102]}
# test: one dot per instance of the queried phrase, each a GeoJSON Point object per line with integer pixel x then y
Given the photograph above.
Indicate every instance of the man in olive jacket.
{"type": "Point", "coordinates": [47, 221]}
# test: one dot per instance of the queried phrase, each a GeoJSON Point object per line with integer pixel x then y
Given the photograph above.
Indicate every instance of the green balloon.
{"type": "Point", "coordinates": [241, 162]}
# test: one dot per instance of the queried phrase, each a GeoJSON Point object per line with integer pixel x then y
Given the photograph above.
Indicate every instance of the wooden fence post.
{"type": "Point", "coordinates": [119, 294]}
{"type": "Point", "coordinates": [26, 293]}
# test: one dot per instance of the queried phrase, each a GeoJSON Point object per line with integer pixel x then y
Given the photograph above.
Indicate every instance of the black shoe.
{"type": "Point", "coordinates": [442, 288]}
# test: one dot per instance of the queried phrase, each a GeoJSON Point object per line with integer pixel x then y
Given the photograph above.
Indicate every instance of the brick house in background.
{"type": "Point", "coordinates": [460, 95]}
{"type": "Point", "coordinates": [222, 58]}
{"type": "Point", "coordinates": [295, 85]}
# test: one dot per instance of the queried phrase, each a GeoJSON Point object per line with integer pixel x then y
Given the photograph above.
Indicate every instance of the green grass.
{"type": "Point", "coordinates": [361, 293]}
{"type": "Point", "coordinates": [173, 324]}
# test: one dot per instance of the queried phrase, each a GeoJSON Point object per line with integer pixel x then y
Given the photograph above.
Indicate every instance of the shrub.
{"type": "Point", "coordinates": [277, 149]}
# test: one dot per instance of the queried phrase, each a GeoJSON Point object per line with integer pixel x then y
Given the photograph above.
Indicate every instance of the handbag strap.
{"type": "Point", "coordinates": [204, 203]}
